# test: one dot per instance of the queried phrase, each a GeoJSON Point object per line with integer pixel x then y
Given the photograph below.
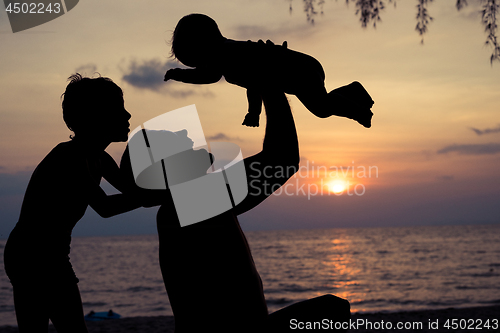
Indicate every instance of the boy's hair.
{"type": "Point", "coordinates": [193, 34]}
{"type": "Point", "coordinates": [85, 98]}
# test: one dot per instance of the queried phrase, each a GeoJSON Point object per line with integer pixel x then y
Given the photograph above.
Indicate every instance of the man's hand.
{"type": "Point", "coordinates": [172, 74]}
{"type": "Point", "coordinates": [270, 43]}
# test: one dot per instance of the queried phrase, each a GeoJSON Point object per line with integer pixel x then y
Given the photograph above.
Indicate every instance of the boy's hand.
{"type": "Point", "coordinates": [151, 198]}
{"type": "Point", "coordinates": [172, 74]}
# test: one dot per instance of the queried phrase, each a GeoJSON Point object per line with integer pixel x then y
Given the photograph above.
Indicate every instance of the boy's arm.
{"type": "Point", "coordinates": [148, 197]}
{"type": "Point", "coordinates": [194, 75]}
{"type": "Point", "coordinates": [111, 172]}
{"type": "Point", "coordinates": [111, 205]}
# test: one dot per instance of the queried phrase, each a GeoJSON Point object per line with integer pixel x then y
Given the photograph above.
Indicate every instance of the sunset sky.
{"type": "Point", "coordinates": [433, 150]}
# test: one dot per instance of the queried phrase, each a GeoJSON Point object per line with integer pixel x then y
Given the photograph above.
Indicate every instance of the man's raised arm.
{"type": "Point", "coordinates": [279, 159]}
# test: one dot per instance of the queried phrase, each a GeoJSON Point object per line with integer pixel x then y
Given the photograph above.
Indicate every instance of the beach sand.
{"type": "Point", "coordinates": [165, 324]}
{"type": "Point", "coordinates": [471, 317]}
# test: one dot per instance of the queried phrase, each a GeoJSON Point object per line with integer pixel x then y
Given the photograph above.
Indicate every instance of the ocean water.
{"type": "Point", "coordinates": [376, 269]}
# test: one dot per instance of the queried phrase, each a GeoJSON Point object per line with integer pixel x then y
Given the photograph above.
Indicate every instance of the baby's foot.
{"type": "Point", "coordinates": [363, 97]}
{"type": "Point", "coordinates": [364, 118]}
{"type": "Point", "coordinates": [363, 102]}
{"type": "Point", "coordinates": [361, 114]}
{"type": "Point", "coordinates": [251, 120]}
{"type": "Point", "coordinates": [356, 92]}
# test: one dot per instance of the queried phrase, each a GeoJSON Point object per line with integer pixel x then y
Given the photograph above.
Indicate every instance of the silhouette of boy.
{"type": "Point", "coordinates": [63, 185]}
{"type": "Point", "coordinates": [258, 66]}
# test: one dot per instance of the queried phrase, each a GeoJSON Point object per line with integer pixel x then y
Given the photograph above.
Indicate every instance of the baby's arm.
{"type": "Point", "coordinates": [195, 75]}
{"type": "Point", "coordinates": [254, 108]}
{"type": "Point", "coordinates": [254, 96]}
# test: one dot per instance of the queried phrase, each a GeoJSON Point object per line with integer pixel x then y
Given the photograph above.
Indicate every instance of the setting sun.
{"type": "Point", "coordinates": [337, 186]}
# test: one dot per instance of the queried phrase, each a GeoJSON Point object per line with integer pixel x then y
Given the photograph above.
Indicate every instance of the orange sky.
{"type": "Point", "coordinates": [433, 168]}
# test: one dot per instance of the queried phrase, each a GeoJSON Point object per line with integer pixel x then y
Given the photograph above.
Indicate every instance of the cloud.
{"type": "Point", "coordinates": [222, 137]}
{"type": "Point", "coordinates": [472, 149]}
{"type": "Point", "coordinates": [14, 183]}
{"type": "Point", "coordinates": [445, 177]}
{"type": "Point", "coordinates": [148, 75]}
{"type": "Point", "coordinates": [87, 70]}
{"type": "Point", "coordinates": [251, 31]}
{"type": "Point", "coordinates": [486, 130]}
{"type": "Point", "coordinates": [276, 34]}
{"type": "Point", "coordinates": [471, 11]}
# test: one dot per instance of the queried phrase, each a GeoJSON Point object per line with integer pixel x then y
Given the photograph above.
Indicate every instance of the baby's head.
{"type": "Point", "coordinates": [195, 39]}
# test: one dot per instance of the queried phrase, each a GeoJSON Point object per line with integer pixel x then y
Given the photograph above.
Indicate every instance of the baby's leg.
{"type": "Point", "coordinates": [323, 105]}
{"type": "Point", "coordinates": [254, 108]}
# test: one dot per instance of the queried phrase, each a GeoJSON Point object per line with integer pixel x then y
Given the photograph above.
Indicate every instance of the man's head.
{"type": "Point", "coordinates": [159, 159]}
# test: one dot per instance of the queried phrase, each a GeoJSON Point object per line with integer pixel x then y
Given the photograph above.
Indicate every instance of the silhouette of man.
{"type": "Point", "coordinates": [207, 267]}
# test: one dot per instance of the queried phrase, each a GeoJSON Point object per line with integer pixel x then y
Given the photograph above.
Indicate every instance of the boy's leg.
{"type": "Point", "coordinates": [66, 310]}
{"type": "Point", "coordinates": [30, 303]}
{"type": "Point", "coordinates": [325, 310]}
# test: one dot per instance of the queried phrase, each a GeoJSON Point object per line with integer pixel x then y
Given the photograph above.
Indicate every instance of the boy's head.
{"type": "Point", "coordinates": [92, 105]}
{"type": "Point", "coordinates": [195, 38]}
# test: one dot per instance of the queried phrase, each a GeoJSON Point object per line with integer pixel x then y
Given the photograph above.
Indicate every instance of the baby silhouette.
{"type": "Point", "coordinates": [258, 66]}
